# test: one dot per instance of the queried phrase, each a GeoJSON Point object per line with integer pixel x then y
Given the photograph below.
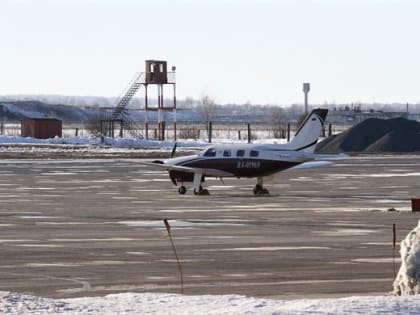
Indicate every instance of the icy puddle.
{"type": "Point", "coordinates": [263, 248]}
{"type": "Point", "coordinates": [138, 253]}
{"type": "Point", "coordinates": [39, 245]}
{"type": "Point", "coordinates": [86, 263]}
{"type": "Point", "coordinates": [115, 239]}
{"type": "Point", "coordinates": [345, 232]}
{"type": "Point", "coordinates": [155, 224]}
{"type": "Point", "coordinates": [38, 217]}
{"type": "Point", "coordinates": [377, 260]}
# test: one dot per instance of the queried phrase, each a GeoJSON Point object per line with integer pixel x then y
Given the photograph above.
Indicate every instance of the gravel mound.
{"type": "Point", "coordinates": [375, 135]}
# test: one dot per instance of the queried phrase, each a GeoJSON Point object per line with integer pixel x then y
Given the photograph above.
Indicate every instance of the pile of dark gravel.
{"type": "Point", "coordinates": [375, 135]}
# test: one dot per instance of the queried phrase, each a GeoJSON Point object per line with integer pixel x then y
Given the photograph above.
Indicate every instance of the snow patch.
{"type": "Point", "coordinates": [162, 303]}
{"type": "Point", "coordinates": [407, 281]}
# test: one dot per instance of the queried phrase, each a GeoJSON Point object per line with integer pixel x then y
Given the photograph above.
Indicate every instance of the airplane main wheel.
{"type": "Point", "coordinates": [201, 192]}
{"type": "Point", "coordinates": [257, 189]}
{"type": "Point", "coordinates": [264, 191]}
{"type": "Point", "coordinates": [182, 190]}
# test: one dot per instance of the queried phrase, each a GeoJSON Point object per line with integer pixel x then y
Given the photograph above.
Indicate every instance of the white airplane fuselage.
{"type": "Point", "coordinates": [246, 160]}
{"type": "Point", "coordinates": [239, 161]}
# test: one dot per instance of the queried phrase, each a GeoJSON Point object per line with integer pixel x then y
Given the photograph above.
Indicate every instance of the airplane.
{"type": "Point", "coordinates": [245, 160]}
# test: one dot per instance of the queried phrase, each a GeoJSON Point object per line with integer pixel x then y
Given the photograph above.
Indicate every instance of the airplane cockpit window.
{"type": "Point", "coordinates": [226, 153]}
{"type": "Point", "coordinates": [240, 153]}
{"type": "Point", "coordinates": [210, 152]}
{"type": "Point", "coordinates": [253, 153]}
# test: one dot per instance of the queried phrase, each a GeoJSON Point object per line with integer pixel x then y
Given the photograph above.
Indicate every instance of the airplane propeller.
{"type": "Point", "coordinates": [173, 179]}
{"type": "Point", "coordinates": [173, 150]}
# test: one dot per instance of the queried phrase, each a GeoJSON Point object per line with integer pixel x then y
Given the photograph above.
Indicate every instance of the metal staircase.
{"type": "Point", "coordinates": [119, 111]}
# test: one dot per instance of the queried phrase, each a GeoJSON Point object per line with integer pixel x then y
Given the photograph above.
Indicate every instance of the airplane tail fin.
{"type": "Point", "coordinates": [307, 135]}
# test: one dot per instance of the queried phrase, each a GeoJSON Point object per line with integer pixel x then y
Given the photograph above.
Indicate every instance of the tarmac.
{"type": "Point", "coordinates": [71, 228]}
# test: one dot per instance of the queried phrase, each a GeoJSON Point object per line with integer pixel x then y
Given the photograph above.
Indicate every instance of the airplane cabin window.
{"type": "Point", "coordinates": [253, 153]}
{"type": "Point", "coordinates": [226, 153]}
{"type": "Point", "coordinates": [210, 152]}
{"type": "Point", "coordinates": [240, 153]}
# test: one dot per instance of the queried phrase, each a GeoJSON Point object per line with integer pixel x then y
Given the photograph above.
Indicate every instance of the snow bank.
{"type": "Point", "coordinates": [158, 303]}
{"type": "Point", "coordinates": [105, 141]}
{"type": "Point", "coordinates": [407, 281]}
{"type": "Point", "coordinates": [121, 142]}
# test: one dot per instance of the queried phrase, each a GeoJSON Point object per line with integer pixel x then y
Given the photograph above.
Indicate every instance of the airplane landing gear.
{"type": "Point", "coordinates": [259, 189]}
{"type": "Point", "coordinates": [182, 190]}
{"type": "Point", "coordinates": [201, 191]}
{"type": "Point", "coordinates": [197, 188]}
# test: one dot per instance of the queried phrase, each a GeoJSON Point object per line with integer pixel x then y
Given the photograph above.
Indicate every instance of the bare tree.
{"type": "Point", "coordinates": [93, 124]}
{"type": "Point", "coordinates": [278, 119]}
{"type": "Point", "coordinates": [208, 108]}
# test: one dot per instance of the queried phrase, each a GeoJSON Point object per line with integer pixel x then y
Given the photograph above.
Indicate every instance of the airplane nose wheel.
{"type": "Point", "coordinates": [182, 190]}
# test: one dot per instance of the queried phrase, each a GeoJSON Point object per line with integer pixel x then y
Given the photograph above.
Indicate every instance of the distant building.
{"type": "Point", "coordinates": [41, 128]}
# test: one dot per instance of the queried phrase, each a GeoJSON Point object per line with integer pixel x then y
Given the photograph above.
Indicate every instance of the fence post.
{"type": "Point", "coordinates": [210, 130]}
{"type": "Point", "coordinates": [163, 131]}
{"type": "Point", "coordinates": [249, 133]}
{"type": "Point", "coordinates": [288, 132]}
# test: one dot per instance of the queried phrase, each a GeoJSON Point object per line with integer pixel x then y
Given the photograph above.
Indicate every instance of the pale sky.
{"type": "Point", "coordinates": [259, 51]}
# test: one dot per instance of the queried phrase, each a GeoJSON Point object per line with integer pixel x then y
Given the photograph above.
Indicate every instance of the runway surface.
{"type": "Point", "coordinates": [92, 227]}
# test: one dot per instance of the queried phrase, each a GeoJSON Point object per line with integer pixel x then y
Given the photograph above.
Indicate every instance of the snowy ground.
{"type": "Point", "coordinates": [154, 303]}
{"type": "Point", "coordinates": [160, 303]}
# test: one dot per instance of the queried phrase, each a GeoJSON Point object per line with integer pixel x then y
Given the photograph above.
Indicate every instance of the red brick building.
{"type": "Point", "coordinates": [41, 128]}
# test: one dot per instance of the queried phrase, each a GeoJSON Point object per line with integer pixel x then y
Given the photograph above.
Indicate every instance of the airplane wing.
{"type": "Point", "coordinates": [311, 164]}
{"type": "Point", "coordinates": [204, 171]}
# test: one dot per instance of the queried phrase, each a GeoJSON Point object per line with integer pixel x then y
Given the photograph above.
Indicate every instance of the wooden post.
{"type": "Point", "coordinates": [329, 130]}
{"type": "Point", "coordinates": [288, 132]}
{"type": "Point", "coordinates": [249, 133]}
{"type": "Point", "coordinates": [76, 133]}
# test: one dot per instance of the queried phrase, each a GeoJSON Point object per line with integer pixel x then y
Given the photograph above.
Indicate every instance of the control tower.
{"type": "Point", "coordinates": [157, 75]}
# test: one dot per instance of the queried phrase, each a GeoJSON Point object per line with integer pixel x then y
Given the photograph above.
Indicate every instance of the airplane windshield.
{"type": "Point", "coordinates": [210, 152]}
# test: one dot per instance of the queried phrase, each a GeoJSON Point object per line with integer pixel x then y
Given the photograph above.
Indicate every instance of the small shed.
{"type": "Point", "coordinates": [41, 128]}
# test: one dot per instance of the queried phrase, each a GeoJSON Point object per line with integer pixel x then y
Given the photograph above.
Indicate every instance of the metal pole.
{"type": "Point", "coordinates": [174, 113]}
{"type": "Point", "coordinates": [168, 228]}
{"type": "Point", "coordinates": [210, 130]}
{"type": "Point", "coordinates": [146, 123]}
{"type": "Point", "coordinates": [249, 133]}
{"type": "Point", "coordinates": [394, 241]}
{"type": "Point", "coordinates": [288, 132]}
